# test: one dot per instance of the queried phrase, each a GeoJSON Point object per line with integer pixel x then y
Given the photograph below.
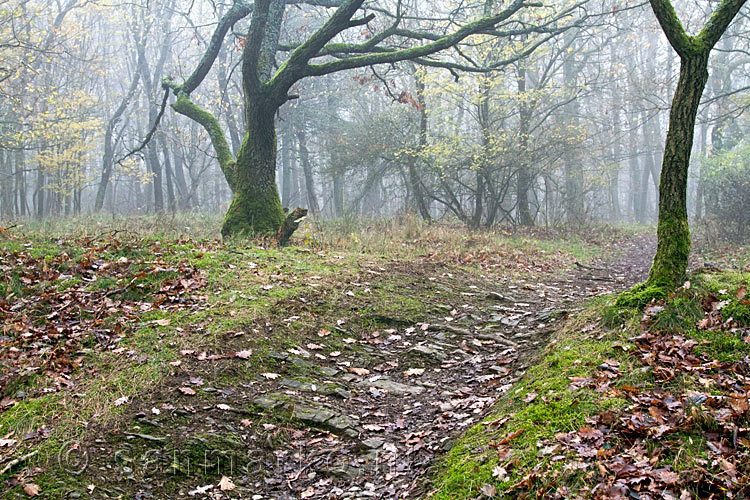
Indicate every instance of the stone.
{"type": "Point", "coordinates": [373, 443]}
{"type": "Point", "coordinates": [312, 415]}
{"type": "Point", "coordinates": [302, 363]}
{"type": "Point", "coordinates": [344, 471]}
{"type": "Point", "coordinates": [328, 371]}
{"type": "Point", "coordinates": [342, 424]}
{"type": "Point", "coordinates": [278, 356]}
{"type": "Point", "coordinates": [393, 387]}
{"type": "Point", "coordinates": [433, 352]}
{"type": "Point", "coordinates": [296, 385]}
{"type": "Point", "coordinates": [269, 401]}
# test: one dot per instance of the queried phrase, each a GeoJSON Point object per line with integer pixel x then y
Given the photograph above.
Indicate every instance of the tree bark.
{"type": "Point", "coordinates": [304, 154]}
{"type": "Point", "coordinates": [524, 178]}
{"type": "Point", "coordinates": [670, 262]}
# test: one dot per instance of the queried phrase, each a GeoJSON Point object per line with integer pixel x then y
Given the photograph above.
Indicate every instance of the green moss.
{"type": "Point", "coordinates": [257, 212]}
{"type": "Point", "coordinates": [672, 252]}
{"type": "Point", "coordinates": [641, 295]}
{"type": "Point", "coordinates": [723, 346]}
{"type": "Point", "coordinates": [738, 311]}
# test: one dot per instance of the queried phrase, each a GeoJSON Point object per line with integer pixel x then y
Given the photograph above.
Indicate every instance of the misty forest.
{"type": "Point", "coordinates": [374, 249]}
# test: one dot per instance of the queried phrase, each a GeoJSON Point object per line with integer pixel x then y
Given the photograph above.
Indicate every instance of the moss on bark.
{"type": "Point", "coordinates": [256, 206]}
{"type": "Point", "coordinates": [253, 212]}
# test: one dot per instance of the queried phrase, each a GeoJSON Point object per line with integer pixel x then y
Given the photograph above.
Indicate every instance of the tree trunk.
{"type": "Point", "coordinates": [256, 207]}
{"type": "Point", "coordinates": [524, 178]}
{"type": "Point", "coordinates": [304, 154]}
{"type": "Point", "coordinates": [415, 176]}
{"type": "Point", "coordinates": [671, 260]}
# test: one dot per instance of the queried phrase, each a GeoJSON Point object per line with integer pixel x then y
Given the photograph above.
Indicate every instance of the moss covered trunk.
{"type": "Point", "coordinates": [256, 206]}
{"type": "Point", "coordinates": [670, 263]}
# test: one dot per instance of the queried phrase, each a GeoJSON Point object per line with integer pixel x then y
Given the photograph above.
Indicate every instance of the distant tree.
{"type": "Point", "coordinates": [673, 249]}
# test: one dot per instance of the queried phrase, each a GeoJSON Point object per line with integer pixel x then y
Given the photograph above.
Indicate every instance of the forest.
{"type": "Point", "coordinates": [391, 249]}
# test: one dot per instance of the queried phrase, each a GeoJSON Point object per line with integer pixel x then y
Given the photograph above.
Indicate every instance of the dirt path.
{"type": "Point", "coordinates": [341, 414]}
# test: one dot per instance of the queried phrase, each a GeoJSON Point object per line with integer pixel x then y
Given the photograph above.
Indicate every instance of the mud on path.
{"type": "Point", "coordinates": [359, 410]}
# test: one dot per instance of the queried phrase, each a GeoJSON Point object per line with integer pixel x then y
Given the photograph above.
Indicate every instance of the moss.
{"type": "Point", "coordinates": [256, 207]}
{"type": "Point", "coordinates": [737, 310]}
{"type": "Point", "coordinates": [640, 295]}
{"type": "Point", "coordinates": [726, 347]}
{"type": "Point", "coordinates": [673, 250]}
{"type": "Point", "coordinates": [556, 408]}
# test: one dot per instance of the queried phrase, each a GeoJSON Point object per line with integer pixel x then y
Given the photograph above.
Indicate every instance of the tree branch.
{"type": "Point", "coordinates": [415, 52]}
{"type": "Point", "coordinates": [719, 22]}
{"type": "Point", "coordinates": [672, 27]}
{"type": "Point", "coordinates": [294, 68]}
{"type": "Point", "coordinates": [188, 108]}
{"type": "Point", "coordinates": [239, 10]}
{"type": "Point", "coordinates": [253, 45]}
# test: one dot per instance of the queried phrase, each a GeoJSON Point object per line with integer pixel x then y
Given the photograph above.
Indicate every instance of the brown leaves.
{"type": "Point", "coordinates": [359, 371]}
{"type": "Point", "coordinates": [96, 297]}
{"type": "Point", "coordinates": [244, 354]}
{"type": "Point", "coordinates": [31, 489]}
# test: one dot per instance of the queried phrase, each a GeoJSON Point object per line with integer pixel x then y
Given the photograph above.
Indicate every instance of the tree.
{"type": "Point", "coordinates": [256, 207]}
{"type": "Point", "coordinates": [673, 248]}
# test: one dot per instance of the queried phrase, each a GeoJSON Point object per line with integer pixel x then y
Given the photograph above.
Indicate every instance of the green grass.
{"type": "Point", "coordinates": [240, 300]}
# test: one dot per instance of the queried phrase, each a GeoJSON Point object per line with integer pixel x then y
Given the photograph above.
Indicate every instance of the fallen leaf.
{"type": "Point", "coordinates": [323, 333]}
{"type": "Point", "coordinates": [309, 492]}
{"type": "Point", "coordinates": [360, 371]}
{"type": "Point", "coordinates": [224, 407]}
{"type": "Point", "coordinates": [244, 354]}
{"type": "Point", "coordinates": [121, 401]}
{"type": "Point", "coordinates": [413, 371]}
{"type": "Point", "coordinates": [200, 490]}
{"type": "Point", "coordinates": [270, 376]}
{"type": "Point", "coordinates": [499, 473]}
{"type": "Point", "coordinates": [31, 489]}
{"type": "Point", "coordinates": [187, 391]}
{"type": "Point", "coordinates": [510, 437]}
{"type": "Point", "coordinates": [163, 322]}
{"type": "Point", "coordinates": [488, 490]}
{"type": "Point", "coordinates": [226, 484]}
{"type": "Point", "coordinates": [530, 397]}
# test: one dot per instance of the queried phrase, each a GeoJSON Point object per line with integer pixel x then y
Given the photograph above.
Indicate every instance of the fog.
{"type": "Point", "coordinates": [556, 114]}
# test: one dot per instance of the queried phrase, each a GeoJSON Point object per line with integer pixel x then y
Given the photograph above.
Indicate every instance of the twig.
{"type": "Point", "coordinates": [150, 132]}
{"type": "Point", "coordinates": [17, 461]}
{"type": "Point", "coordinates": [581, 266]}
{"type": "Point", "coordinates": [147, 437]}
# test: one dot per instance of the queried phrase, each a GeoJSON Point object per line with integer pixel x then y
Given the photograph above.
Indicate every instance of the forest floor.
{"type": "Point", "coordinates": [146, 364]}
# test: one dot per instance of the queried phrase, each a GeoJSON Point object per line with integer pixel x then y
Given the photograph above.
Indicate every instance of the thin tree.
{"type": "Point", "coordinates": [673, 248]}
